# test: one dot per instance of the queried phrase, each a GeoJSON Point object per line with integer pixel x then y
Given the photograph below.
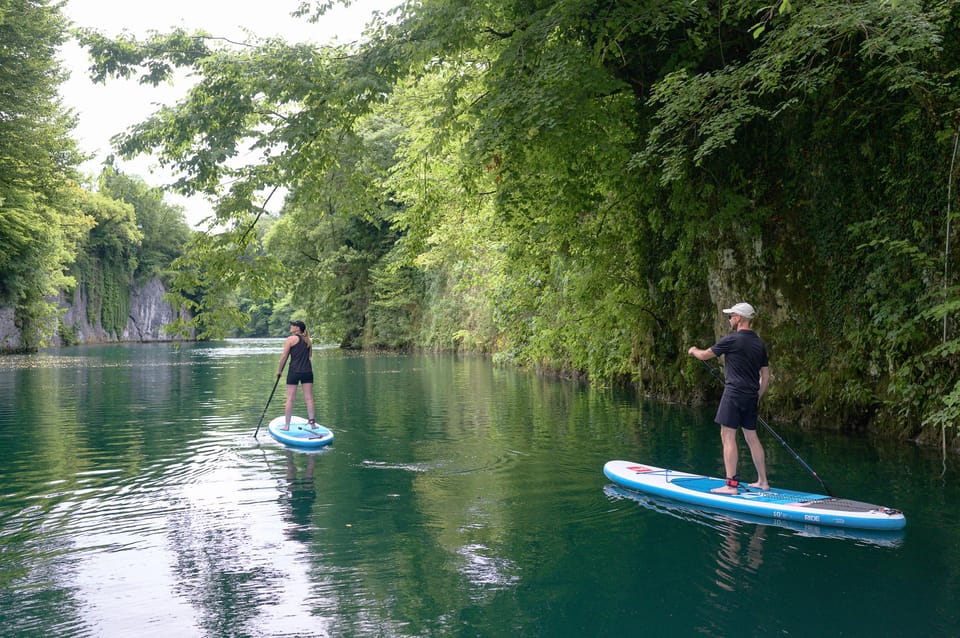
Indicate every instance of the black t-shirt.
{"type": "Point", "coordinates": [744, 354]}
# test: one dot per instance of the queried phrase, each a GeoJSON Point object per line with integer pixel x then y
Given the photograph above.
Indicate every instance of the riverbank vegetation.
{"type": "Point", "coordinates": [581, 185]}
{"type": "Point", "coordinates": [58, 229]}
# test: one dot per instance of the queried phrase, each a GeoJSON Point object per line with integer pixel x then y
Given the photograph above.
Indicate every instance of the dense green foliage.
{"type": "Point", "coordinates": [54, 233]}
{"type": "Point", "coordinates": [163, 228]}
{"type": "Point", "coordinates": [40, 223]}
{"type": "Point", "coordinates": [582, 184]}
{"type": "Point", "coordinates": [106, 260]}
{"type": "Point", "coordinates": [136, 236]}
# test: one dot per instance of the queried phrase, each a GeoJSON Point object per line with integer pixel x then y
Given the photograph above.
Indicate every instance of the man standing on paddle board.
{"type": "Point", "coordinates": [747, 371]}
{"type": "Point", "coordinates": [299, 348]}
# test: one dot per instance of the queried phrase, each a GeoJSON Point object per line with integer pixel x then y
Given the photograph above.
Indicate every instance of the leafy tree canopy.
{"type": "Point", "coordinates": [164, 230]}
{"type": "Point", "coordinates": [40, 223]}
{"type": "Point", "coordinates": [582, 184]}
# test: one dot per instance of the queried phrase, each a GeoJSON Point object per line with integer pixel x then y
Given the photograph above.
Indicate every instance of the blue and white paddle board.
{"type": "Point", "coordinates": [726, 520]}
{"type": "Point", "coordinates": [775, 504]}
{"type": "Point", "coordinates": [300, 434]}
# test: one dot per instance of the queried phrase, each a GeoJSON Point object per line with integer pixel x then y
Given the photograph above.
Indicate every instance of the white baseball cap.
{"type": "Point", "coordinates": [745, 310]}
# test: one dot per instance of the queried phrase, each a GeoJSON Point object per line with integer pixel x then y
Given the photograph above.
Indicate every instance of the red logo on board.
{"type": "Point", "coordinates": [639, 468]}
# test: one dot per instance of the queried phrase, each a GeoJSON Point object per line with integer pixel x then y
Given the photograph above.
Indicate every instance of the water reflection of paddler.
{"type": "Point", "coordinates": [734, 561]}
{"type": "Point", "coordinates": [302, 494]}
{"type": "Point", "coordinates": [739, 558]}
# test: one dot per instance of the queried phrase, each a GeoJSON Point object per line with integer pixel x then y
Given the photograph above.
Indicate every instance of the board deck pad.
{"type": "Point", "coordinates": [300, 433]}
{"type": "Point", "coordinates": [803, 507]}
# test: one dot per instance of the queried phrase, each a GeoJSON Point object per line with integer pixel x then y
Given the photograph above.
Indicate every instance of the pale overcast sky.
{"type": "Point", "coordinates": [105, 110]}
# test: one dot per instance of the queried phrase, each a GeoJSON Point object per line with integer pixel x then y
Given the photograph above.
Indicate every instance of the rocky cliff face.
{"type": "Point", "coordinates": [10, 340]}
{"type": "Point", "coordinates": [149, 313]}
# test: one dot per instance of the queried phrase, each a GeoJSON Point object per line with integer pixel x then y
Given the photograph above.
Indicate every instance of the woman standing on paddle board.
{"type": "Point", "coordinates": [747, 371]}
{"type": "Point", "coordinates": [299, 348]}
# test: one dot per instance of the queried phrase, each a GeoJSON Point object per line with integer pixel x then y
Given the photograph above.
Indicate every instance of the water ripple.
{"type": "Point", "coordinates": [461, 499]}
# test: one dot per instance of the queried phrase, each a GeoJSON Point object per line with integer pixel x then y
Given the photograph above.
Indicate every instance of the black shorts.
{"type": "Point", "coordinates": [295, 378]}
{"type": "Point", "coordinates": [738, 411]}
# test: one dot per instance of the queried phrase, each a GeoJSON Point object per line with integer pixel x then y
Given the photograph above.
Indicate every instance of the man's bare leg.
{"type": "Point", "coordinates": [728, 436]}
{"type": "Point", "coordinates": [759, 458]}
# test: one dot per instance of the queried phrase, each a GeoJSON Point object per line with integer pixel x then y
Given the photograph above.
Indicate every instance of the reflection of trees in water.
{"type": "Point", "coordinates": [37, 594]}
{"type": "Point", "coordinates": [221, 571]}
{"type": "Point", "coordinates": [379, 551]}
{"type": "Point", "coordinates": [439, 538]}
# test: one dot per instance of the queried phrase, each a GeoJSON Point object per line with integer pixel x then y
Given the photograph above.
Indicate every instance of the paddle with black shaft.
{"type": "Point", "coordinates": [777, 437]}
{"type": "Point", "coordinates": [275, 384]}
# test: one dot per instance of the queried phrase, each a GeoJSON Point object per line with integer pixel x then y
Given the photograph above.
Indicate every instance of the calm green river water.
{"type": "Point", "coordinates": [459, 499]}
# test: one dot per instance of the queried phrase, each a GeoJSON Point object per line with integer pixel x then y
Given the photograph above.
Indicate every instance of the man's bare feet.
{"type": "Point", "coordinates": [761, 486]}
{"type": "Point", "coordinates": [285, 427]}
{"type": "Point", "coordinates": [725, 489]}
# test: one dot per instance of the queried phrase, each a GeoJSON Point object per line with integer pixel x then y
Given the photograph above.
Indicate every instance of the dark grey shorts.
{"type": "Point", "coordinates": [295, 378]}
{"type": "Point", "coordinates": [738, 411]}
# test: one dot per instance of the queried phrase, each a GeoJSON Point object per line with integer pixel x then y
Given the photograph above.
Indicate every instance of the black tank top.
{"type": "Point", "coordinates": [300, 357]}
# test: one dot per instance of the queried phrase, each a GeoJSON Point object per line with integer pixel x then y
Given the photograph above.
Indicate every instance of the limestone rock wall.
{"type": "Point", "coordinates": [10, 340]}
{"type": "Point", "coordinates": [149, 313]}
